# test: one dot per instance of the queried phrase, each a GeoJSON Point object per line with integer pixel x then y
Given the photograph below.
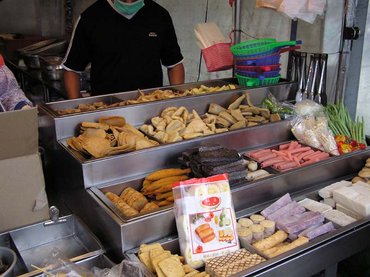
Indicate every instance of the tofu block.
{"type": "Point", "coordinates": [348, 212]}
{"type": "Point", "coordinates": [338, 217]}
{"type": "Point", "coordinates": [327, 191]}
{"type": "Point", "coordinates": [314, 206]}
{"type": "Point", "coordinates": [328, 201]}
{"type": "Point", "coordinates": [355, 198]}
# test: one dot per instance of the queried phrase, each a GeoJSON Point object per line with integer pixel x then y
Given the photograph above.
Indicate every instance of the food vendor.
{"type": "Point", "coordinates": [126, 42]}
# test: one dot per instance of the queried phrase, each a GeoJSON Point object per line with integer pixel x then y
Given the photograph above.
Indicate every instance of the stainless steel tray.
{"type": "Point", "coordinates": [284, 264]}
{"type": "Point", "coordinates": [127, 235]}
{"type": "Point", "coordinates": [126, 166]}
{"type": "Point", "coordinates": [53, 107]}
{"type": "Point", "coordinates": [100, 262]}
{"type": "Point", "coordinates": [117, 189]}
{"type": "Point", "coordinates": [35, 243]}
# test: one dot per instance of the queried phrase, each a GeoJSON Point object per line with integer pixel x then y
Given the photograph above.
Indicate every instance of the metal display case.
{"type": "Point", "coordinates": [83, 182]}
{"type": "Point", "coordinates": [91, 172]}
{"type": "Point", "coordinates": [66, 237]}
{"type": "Point", "coordinates": [332, 247]}
{"type": "Point", "coordinates": [131, 233]}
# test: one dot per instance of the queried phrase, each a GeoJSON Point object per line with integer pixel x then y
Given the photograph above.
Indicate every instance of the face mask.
{"type": "Point", "coordinates": [128, 8]}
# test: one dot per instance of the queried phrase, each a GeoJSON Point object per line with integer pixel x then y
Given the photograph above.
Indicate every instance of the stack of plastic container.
{"type": "Point", "coordinates": [257, 62]}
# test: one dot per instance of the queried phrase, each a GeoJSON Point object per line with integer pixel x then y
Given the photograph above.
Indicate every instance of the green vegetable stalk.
{"type": "Point", "coordinates": [341, 123]}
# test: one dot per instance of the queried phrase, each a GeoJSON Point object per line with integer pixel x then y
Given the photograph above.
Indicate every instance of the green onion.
{"type": "Point", "coordinates": [341, 123]}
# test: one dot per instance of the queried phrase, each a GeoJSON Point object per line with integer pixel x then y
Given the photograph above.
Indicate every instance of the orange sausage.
{"type": "Point", "coordinates": [205, 233]}
{"type": "Point", "coordinates": [209, 238]}
{"type": "Point", "coordinates": [202, 227]}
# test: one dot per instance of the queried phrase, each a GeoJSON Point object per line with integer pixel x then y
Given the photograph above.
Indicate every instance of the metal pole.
{"type": "Point", "coordinates": [236, 15]}
{"type": "Point", "coordinates": [237, 25]}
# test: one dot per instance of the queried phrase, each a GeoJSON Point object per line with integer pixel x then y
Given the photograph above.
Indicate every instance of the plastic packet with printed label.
{"type": "Point", "coordinates": [205, 218]}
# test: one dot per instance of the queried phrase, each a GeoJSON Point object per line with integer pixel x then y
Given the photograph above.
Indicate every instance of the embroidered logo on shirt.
{"type": "Point", "coordinates": [153, 34]}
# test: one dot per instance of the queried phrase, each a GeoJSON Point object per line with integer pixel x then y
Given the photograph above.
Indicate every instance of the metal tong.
{"type": "Point", "coordinates": [301, 74]}
{"type": "Point", "coordinates": [309, 79]}
{"type": "Point", "coordinates": [321, 96]}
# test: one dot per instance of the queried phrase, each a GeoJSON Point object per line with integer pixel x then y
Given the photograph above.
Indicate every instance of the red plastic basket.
{"type": "Point", "coordinates": [218, 57]}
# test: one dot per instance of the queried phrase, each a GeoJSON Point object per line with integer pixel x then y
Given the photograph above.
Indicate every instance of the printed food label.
{"type": "Point", "coordinates": [205, 218]}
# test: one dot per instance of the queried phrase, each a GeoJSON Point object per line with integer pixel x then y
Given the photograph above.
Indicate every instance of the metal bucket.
{"type": "Point", "coordinates": [8, 258]}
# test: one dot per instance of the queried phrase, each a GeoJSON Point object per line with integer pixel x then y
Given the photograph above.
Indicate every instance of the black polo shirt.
{"type": "Point", "coordinates": [125, 54]}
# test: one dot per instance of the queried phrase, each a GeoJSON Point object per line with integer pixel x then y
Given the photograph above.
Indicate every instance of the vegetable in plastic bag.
{"type": "Point", "coordinates": [310, 127]}
{"type": "Point", "coordinates": [271, 103]}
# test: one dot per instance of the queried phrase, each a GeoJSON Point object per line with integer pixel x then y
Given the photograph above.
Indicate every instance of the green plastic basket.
{"type": "Point", "coordinates": [256, 82]}
{"type": "Point", "coordinates": [258, 46]}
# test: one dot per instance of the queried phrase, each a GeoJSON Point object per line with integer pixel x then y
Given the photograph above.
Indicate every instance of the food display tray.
{"type": "Point", "coordinates": [117, 189]}
{"type": "Point", "coordinates": [128, 233]}
{"type": "Point", "coordinates": [301, 261]}
{"type": "Point", "coordinates": [54, 107]}
{"type": "Point", "coordinates": [313, 196]}
{"type": "Point", "coordinates": [54, 127]}
{"type": "Point", "coordinates": [101, 262]}
{"type": "Point", "coordinates": [35, 243]}
{"type": "Point", "coordinates": [273, 168]}
{"type": "Point", "coordinates": [114, 169]}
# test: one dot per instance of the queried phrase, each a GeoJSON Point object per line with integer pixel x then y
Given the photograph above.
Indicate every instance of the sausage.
{"type": "Point", "coordinates": [270, 162]}
{"type": "Point", "coordinates": [287, 165]}
{"type": "Point", "coordinates": [202, 227]}
{"type": "Point", "coordinates": [266, 157]}
{"type": "Point", "coordinates": [259, 153]}
{"type": "Point", "coordinates": [319, 156]}
{"type": "Point", "coordinates": [205, 233]}
{"type": "Point", "coordinates": [209, 238]}
{"type": "Point", "coordinates": [304, 154]}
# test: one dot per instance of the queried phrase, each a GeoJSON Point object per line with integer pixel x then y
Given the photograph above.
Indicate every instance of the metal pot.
{"type": "Point", "coordinates": [9, 258]}
{"type": "Point", "coordinates": [32, 61]}
{"type": "Point", "coordinates": [51, 67]}
{"type": "Point", "coordinates": [32, 58]}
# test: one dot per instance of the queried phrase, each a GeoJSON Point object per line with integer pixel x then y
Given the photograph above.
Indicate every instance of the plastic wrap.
{"type": "Point", "coordinates": [284, 109]}
{"type": "Point", "coordinates": [205, 219]}
{"type": "Point", "coordinates": [59, 265]}
{"type": "Point", "coordinates": [310, 127]}
{"type": "Point", "coordinates": [126, 268]}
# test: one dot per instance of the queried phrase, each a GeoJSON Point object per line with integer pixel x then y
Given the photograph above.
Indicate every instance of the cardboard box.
{"type": "Point", "coordinates": [23, 199]}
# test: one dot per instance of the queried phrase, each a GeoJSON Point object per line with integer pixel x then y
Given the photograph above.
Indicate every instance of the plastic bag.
{"type": "Point", "coordinates": [58, 264]}
{"type": "Point", "coordinates": [205, 218]}
{"type": "Point", "coordinates": [297, 9]}
{"type": "Point", "coordinates": [284, 109]}
{"type": "Point", "coordinates": [308, 108]}
{"type": "Point", "coordinates": [126, 268]}
{"type": "Point", "coordinates": [311, 127]}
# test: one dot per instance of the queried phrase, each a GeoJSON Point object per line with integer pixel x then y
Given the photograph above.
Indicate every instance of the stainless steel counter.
{"type": "Point", "coordinates": [247, 198]}
{"type": "Point", "coordinates": [54, 130]}
{"type": "Point", "coordinates": [83, 181]}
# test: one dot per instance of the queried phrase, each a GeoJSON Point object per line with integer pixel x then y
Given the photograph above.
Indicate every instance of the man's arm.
{"type": "Point", "coordinates": [72, 84]}
{"type": "Point", "coordinates": [176, 74]}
